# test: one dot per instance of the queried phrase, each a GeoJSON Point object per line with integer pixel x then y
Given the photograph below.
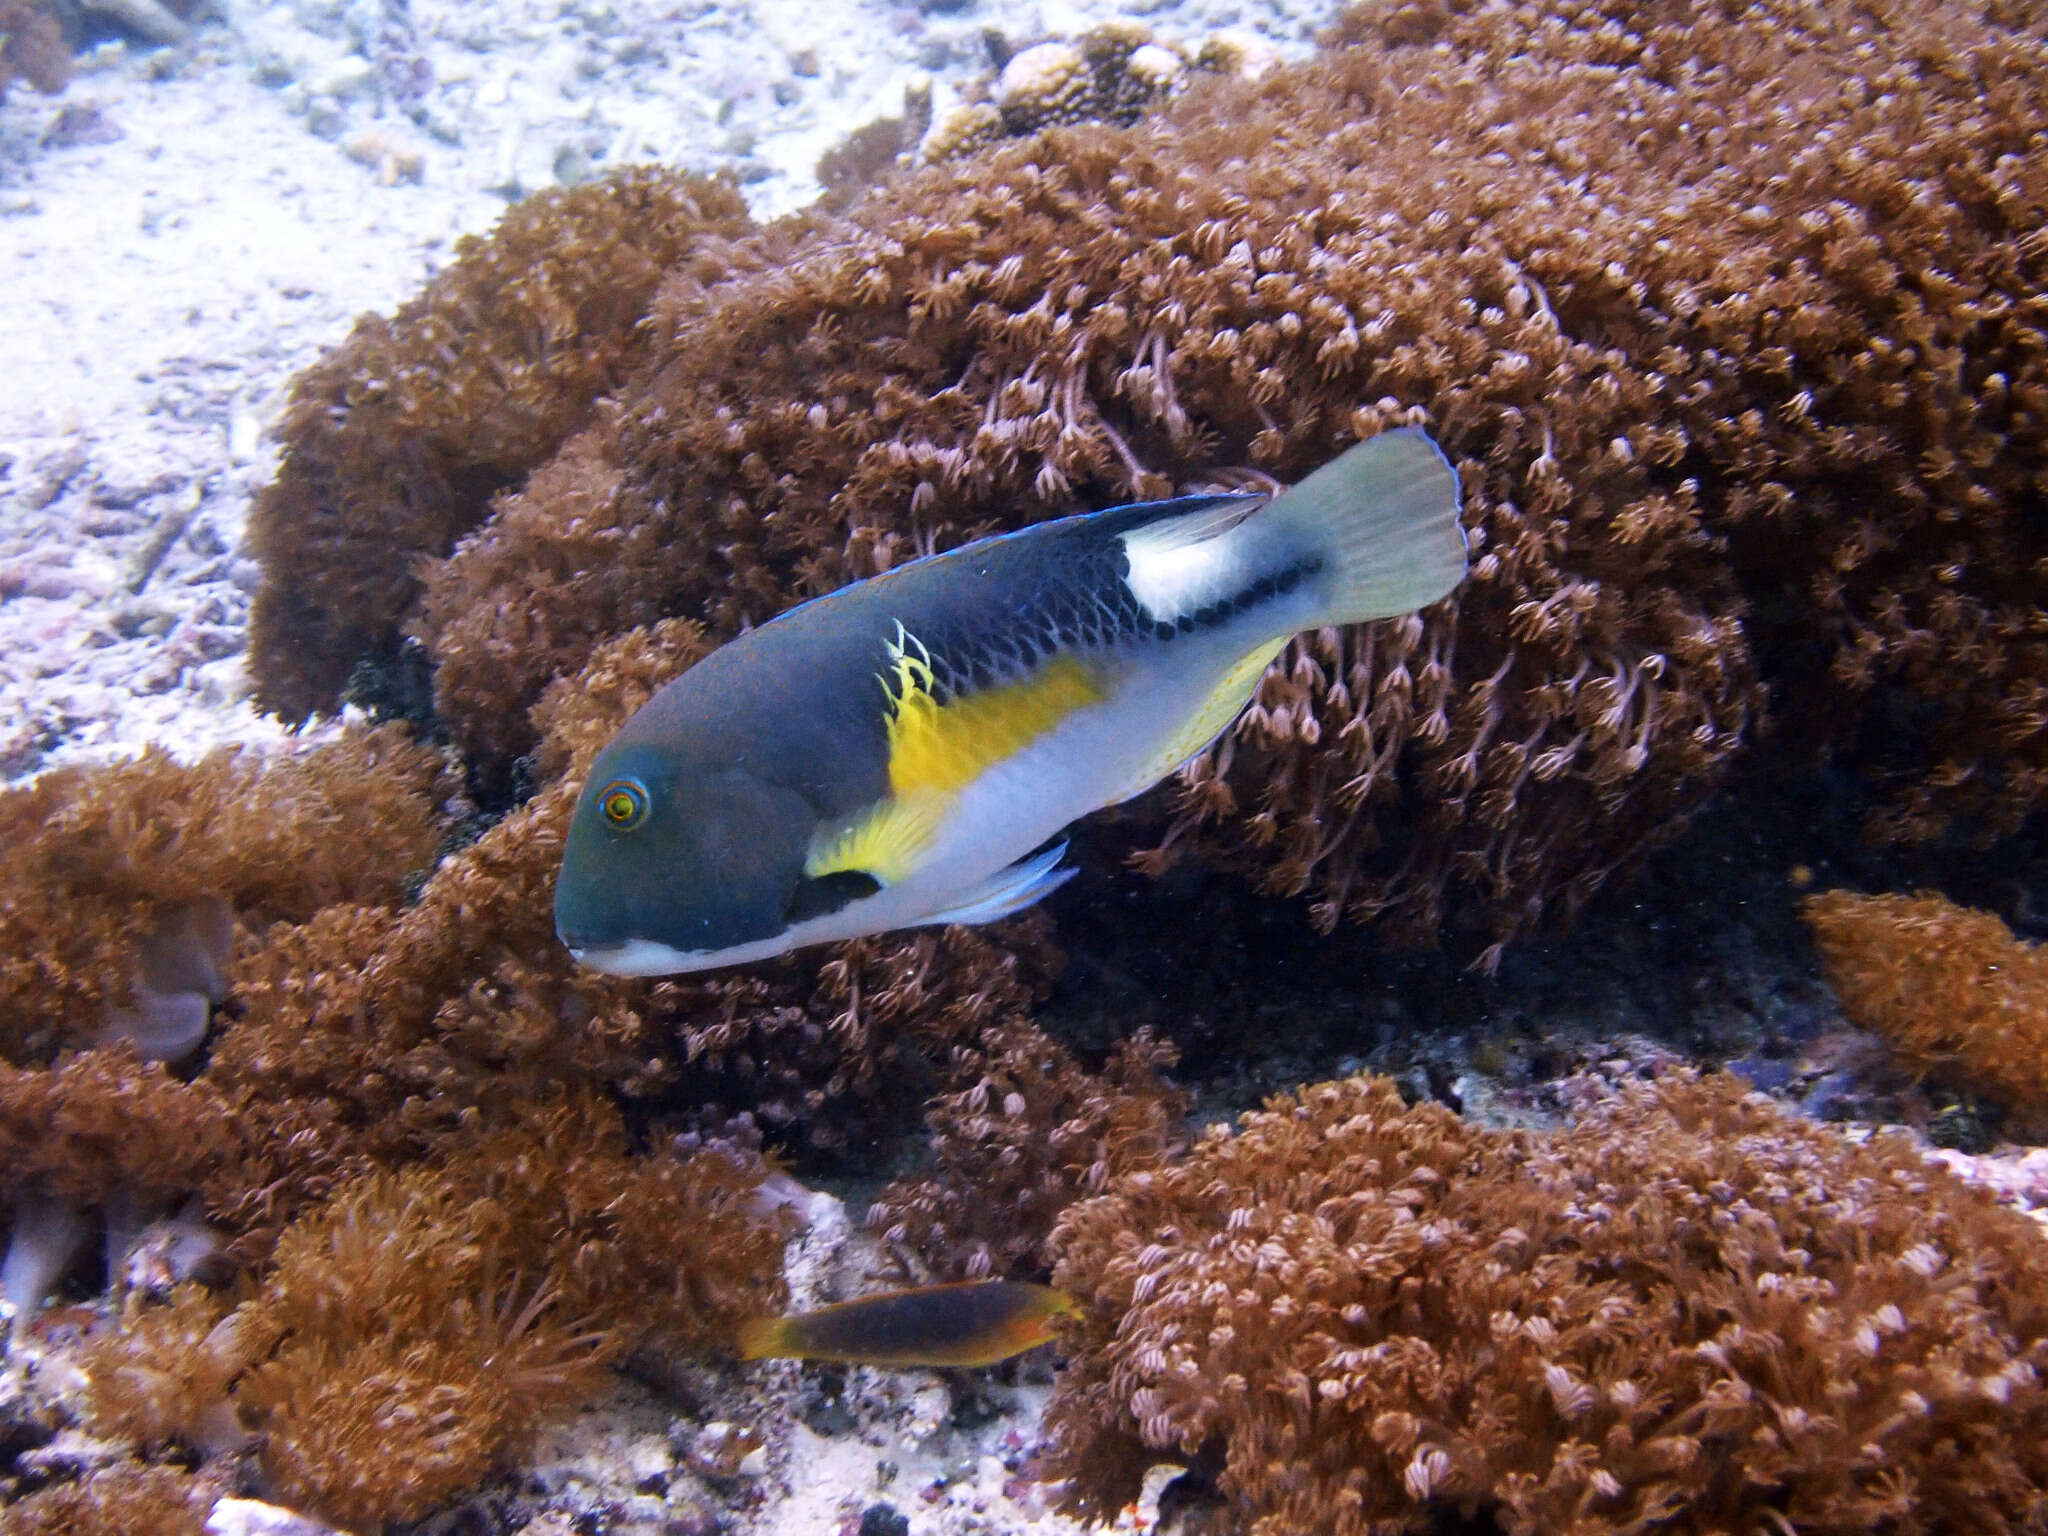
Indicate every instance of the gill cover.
{"type": "Point", "coordinates": [689, 859]}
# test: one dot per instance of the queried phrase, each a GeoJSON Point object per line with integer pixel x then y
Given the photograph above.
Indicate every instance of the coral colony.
{"type": "Point", "coordinates": [1951, 989]}
{"type": "Point", "coordinates": [1731, 320]}
{"type": "Point", "coordinates": [1742, 376]}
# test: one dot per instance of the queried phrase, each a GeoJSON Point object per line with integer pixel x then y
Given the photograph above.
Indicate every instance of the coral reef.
{"type": "Point", "coordinates": [125, 1500]}
{"type": "Point", "coordinates": [1745, 380]}
{"type": "Point", "coordinates": [32, 46]}
{"type": "Point", "coordinates": [407, 1126]}
{"type": "Point", "coordinates": [873, 150]}
{"type": "Point", "coordinates": [373, 1037]}
{"type": "Point", "coordinates": [119, 909]}
{"type": "Point", "coordinates": [1691, 1310]}
{"type": "Point", "coordinates": [1731, 321]}
{"type": "Point", "coordinates": [862, 158]}
{"type": "Point", "coordinates": [1111, 73]}
{"type": "Point", "coordinates": [396, 441]}
{"type": "Point", "coordinates": [1024, 1133]}
{"type": "Point", "coordinates": [122, 881]}
{"type": "Point", "coordinates": [105, 1121]}
{"type": "Point", "coordinates": [419, 1323]}
{"type": "Point", "coordinates": [1950, 988]}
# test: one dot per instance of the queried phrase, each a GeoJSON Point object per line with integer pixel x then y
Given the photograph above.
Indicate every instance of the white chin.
{"type": "Point", "coordinates": [644, 957]}
{"type": "Point", "coordinates": [892, 909]}
{"type": "Point", "coordinates": [641, 957]}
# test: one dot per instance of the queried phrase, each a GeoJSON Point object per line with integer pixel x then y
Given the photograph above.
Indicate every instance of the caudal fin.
{"type": "Point", "coordinates": [763, 1338]}
{"type": "Point", "coordinates": [1385, 515]}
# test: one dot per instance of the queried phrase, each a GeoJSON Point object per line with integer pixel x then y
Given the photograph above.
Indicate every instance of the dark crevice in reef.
{"type": "Point", "coordinates": [1702, 955]}
{"type": "Point", "coordinates": [397, 683]}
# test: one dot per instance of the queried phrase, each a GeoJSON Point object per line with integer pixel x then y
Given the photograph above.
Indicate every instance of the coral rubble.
{"type": "Point", "coordinates": [1690, 1311]}
{"type": "Point", "coordinates": [1112, 73]}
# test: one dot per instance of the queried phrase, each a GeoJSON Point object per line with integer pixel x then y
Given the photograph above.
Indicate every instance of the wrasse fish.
{"type": "Point", "coordinates": [905, 750]}
{"type": "Point", "coordinates": [972, 1322]}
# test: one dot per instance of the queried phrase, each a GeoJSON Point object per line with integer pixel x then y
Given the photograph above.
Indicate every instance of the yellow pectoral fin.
{"type": "Point", "coordinates": [886, 840]}
{"type": "Point", "coordinates": [1221, 707]}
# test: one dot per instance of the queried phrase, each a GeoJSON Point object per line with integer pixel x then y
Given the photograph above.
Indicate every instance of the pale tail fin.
{"type": "Point", "coordinates": [1386, 514]}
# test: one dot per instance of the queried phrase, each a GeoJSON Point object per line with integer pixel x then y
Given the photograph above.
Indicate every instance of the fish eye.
{"type": "Point", "coordinates": [624, 803]}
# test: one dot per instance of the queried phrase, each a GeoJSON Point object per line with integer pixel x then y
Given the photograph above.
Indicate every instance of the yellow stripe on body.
{"type": "Point", "coordinates": [936, 750]}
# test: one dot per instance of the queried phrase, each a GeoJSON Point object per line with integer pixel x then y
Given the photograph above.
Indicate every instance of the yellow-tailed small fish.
{"type": "Point", "coordinates": [904, 751]}
{"type": "Point", "coordinates": [971, 1322]}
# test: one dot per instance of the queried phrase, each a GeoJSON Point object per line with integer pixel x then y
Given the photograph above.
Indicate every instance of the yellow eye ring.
{"type": "Point", "coordinates": [623, 803]}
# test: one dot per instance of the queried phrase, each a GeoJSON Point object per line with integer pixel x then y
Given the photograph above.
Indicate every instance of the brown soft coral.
{"type": "Point", "coordinates": [119, 908]}
{"type": "Point", "coordinates": [396, 441]}
{"type": "Point", "coordinates": [1743, 375]}
{"type": "Point", "coordinates": [32, 46]}
{"type": "Point", "coordinates": [1025, 1132]}
{"type": "Point", "coordinates": [1951, 988]}
{"type": "Point", "coordinates": [103, 1123]}
{"type": "Point", "coordinates": [418, 1324]}
{"type": "Point", "coordinates": [1689, 1311]}
{"type": "Point", "coordinates": [124, 1500]}
{"type": "Point", "coordinates": [371, 1036]}
{"type": "Point", "coordinates": [121, 880]}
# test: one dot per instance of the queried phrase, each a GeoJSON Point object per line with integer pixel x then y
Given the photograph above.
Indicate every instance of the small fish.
{"type": "Point", "coordinates": [972, 1322]}
{"type": "Point", "coordinates": [905, 751]}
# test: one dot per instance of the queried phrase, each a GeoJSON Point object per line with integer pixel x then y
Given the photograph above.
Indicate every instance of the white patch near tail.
{"type": "Point", "coordinates": [1183, 564]}
{"type": "Point", "coordinates": [1381, 518]}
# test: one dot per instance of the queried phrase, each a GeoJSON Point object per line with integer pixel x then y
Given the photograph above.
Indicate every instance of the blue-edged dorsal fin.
{"type": "Point", "coordinates": [1010, 889]}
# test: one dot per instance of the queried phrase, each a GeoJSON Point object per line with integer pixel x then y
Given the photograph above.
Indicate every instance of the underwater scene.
{"type": "Point", "coordinates": [947, 768]}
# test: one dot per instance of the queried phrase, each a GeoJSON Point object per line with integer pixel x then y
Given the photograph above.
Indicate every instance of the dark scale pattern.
{"type": "Point", "coordinates": [1073, 595]}
{"type": "Point", "coordinates": [1265, 589]}
{"type": "Point", "coordinates": [1073, 618]}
